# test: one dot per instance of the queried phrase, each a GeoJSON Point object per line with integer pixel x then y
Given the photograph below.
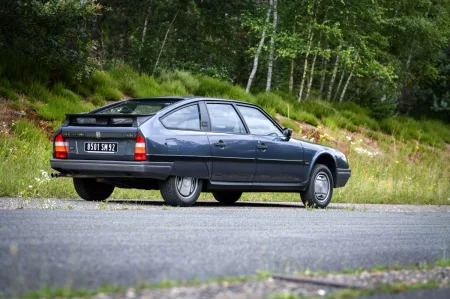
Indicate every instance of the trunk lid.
{"type": "Point", "coordinates": [102, 136]}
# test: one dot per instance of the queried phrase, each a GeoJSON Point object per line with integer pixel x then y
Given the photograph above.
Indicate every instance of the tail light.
{"type": "Point", "coordinates": [140, 154]}
{"type": "Point", "coordinates": [61, 147]}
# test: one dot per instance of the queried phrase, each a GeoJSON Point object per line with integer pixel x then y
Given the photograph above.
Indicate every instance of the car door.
{"type": "Point", "coordinates": [233, 149]}
{"type": "Point", "coordinates": [278, 160]}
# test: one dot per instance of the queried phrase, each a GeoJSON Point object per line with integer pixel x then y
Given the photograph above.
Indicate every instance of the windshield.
{"type": "Point", "coordinates": [136, 107]}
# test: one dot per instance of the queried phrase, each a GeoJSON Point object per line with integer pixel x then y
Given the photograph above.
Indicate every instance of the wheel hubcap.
{"type": "Point", "coordinates": [186, 186]}
{"type": "Point", "coordinates": [321, 186]}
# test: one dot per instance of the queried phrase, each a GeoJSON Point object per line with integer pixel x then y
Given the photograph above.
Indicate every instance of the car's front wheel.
{"type": "Point", "coordinates": [227, 198]}
{"type": "Point", "coordinates": [320, 188]}
{"type": "Point", "coordinates": [91, 189]}
{"type": "Point", "coordinates": [180, 191]}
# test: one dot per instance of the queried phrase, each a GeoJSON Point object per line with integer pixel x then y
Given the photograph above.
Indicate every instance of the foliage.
{"type": "Point", "coordinates": [390, 172]}
{"type": "Point", "coordinates": [47, 36]}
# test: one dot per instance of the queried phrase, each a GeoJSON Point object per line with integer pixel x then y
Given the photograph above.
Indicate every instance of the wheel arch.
{"type": "Point", "coordinates": [329, 161]}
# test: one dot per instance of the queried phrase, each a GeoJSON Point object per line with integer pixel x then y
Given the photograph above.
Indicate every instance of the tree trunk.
{"type": "Point", "coordinates": [348, 79]}
{"type": "Point", "coordinates": [339, 85]}
{"type": "Point", "coordinates": [258, 51]}
{"type": "Point", "coordinates": [333, 78]}
{"type": "Point", "coordinates": [291, 76]}
{"type": "Point", "coordinates": [305, 65]}
{"type": "Point", "coordinates": [322, 80]}
{"type": "Point", "coordinates": [311, 76]}
{"type": "Point", "coordinates": [164, 42]}
{"type": "Point", "coordinates": [144, 32]}
{"type": "Point", "coordinates": [272, 46]}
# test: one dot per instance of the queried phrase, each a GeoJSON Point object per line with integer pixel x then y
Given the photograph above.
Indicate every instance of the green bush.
{"type": "Point", "coordinates": [109, 93]}
{"type": "Point", "coordinates": [27, 131]}
{"type": "Point", "coordinates": [58, 106]}
{"type": "Point", "coordinates": [8, 94]}
{"type": "Point", "coordinates": [288, 123]}
{"type": "Point", "coordinates": [319, 109]}
{"type": "Point", "coordinates": [98, 100]}
{"type": "Point", "coordinates": [189, 82]}
{"type": "Point", "coordinates": [438, 128]}
{"type": "Point", "coordinates": [305, 117]}
{"type": "Point", "coordinates": [361, 119]}
{"type": "Point", "coordinates": [338, 121]}
{"type": "Point", "coordinates": [352, 107]}
{"type": "Point", "coordinates": [211, 87]}
{"type": "Point", "coordinates": [173, 88]}
{"type": "Point", "coordinates": [147, 86]}
{"type": "Point", "coordinates": [126, 79]}
{"type": "Point", "coordinates": [82, 89]}
{"type": "Point", "coordinates": [102, 83]}
{"type": "Point", "coordinates": [269, 100]}
{"type": "Point", "coordinates": [37, 92]}
{"type": "Point", "coordinates": [58, 89]}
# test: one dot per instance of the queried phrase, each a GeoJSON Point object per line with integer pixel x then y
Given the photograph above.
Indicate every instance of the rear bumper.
{"type": "Point", "coordinates": [342, 176]}
{"type": "Point", "coordinates": [101, 168]}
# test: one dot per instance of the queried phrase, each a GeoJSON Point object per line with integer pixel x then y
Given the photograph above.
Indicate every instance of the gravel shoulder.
{"type": "Point", "coordinates": [439, 276]}
{"type": "Point", "coordinates": [13, 203]}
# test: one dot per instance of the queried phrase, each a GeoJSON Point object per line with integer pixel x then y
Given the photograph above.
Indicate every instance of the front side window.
{"type": "Point", "coordinates": [258, 123]}
{"type": "Point", "coordinates": [224, 119]}
{"type": "Point", "coordinates": [187, 118]}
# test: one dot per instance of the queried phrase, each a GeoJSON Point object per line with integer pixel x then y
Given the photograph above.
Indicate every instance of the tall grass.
{"type": "Point", "coordinates": [405, 169]}
{"type": "Point", "coordinates": [58, 106]}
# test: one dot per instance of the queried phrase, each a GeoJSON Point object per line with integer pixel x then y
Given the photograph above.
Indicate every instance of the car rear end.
{"type": "Point", "coordinates": [107, 143]}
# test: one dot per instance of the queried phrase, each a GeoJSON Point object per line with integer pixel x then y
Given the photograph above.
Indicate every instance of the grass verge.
{"type": "Point", "coordinates": [398, 160]}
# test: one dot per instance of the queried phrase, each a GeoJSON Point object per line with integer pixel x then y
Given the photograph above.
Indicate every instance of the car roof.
{"type": "Point", "coordinates": [189, 99]}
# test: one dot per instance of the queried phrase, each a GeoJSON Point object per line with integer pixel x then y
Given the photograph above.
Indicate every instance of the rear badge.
{"type": "Point", "coordinates": [98, 135]}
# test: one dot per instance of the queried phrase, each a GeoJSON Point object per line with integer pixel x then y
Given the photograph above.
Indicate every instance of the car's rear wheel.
{"type": "Point", "coordinates": [320, 188]}
{"type": "Point", "coordinates": [227, 198]}
{"type": "Point", "coordinates": [180, 191]}
{"type": "Point", "coordinates": [91, 189]}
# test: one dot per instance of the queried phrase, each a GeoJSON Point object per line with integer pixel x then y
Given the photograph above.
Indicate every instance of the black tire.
{"type": "Point", "coordinates": [318, 198]}
{"type": "Point", "coordinates": [173, 196]}
{"type": "Point", "coordinates": [91, 190]}
{"type": "Point", "coordinates": [227, 198]}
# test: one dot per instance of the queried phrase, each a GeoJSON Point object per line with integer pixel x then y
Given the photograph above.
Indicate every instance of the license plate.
{"type": "Point", "coordinates": [100, 147]}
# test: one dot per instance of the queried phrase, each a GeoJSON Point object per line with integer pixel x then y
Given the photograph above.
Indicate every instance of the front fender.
{"type": "Point", "coordinates": [323, 157]}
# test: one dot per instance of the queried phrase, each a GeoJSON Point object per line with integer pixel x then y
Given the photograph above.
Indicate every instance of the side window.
{"type": "Point", "coordinates": [187, 118]}
{"type": "Point", "coordinates": [224, 119]}
{"type": "Point", "coordinates": [258, 123]}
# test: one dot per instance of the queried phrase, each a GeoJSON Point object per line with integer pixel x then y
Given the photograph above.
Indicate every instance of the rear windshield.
{"type": "Point", "coordinates": [136, 107]}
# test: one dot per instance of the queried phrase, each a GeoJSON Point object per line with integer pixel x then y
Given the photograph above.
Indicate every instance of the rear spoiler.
{"type": "Point", "coordinates": [109, 120]}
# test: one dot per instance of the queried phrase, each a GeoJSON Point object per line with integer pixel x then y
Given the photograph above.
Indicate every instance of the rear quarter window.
{"type": "Point", "coordinates": [186, 118]}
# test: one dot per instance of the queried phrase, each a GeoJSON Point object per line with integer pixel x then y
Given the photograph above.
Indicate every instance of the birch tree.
{"type": "Point", "coordinates": [258, 50]}
{"type": "Point", "coordinates": [333, 76]}
{"type": "Point", "coordinates": [305, 63]}
{"type": "Point", "coordinates": [349, 78]}
{"type": "Point", "coordinates": [272, 45]}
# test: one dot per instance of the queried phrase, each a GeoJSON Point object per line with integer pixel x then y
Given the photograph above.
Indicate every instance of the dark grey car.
{"type": "Point", "coordinates": [185, 145]}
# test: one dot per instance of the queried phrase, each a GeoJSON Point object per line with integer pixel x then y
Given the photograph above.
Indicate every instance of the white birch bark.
{"type": "Point", "coordinates": [311, 76]}
{"type": "Point", "coordinates": [272, 46]}
{"type": "Point", "coordinates": [258, 51]}
{"type": "Point", "coordinates": [333, 78]}
{"type": "Point", "coordinates": [144, 32]}
{"type": "Point", "coordinates": [164, 42]}
{"type": "Point", "coordinates": [349, 78]}
{"type": "Point", "coordinates": [291, 76]}
{"type": "Point", "coordinates": [338, 88]}
{"type": "Point", "coordinates": [322, 80]}
{"type": "Point", "coordinates": [305, 65]}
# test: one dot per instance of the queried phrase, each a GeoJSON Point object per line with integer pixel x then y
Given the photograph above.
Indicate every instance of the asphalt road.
{"type": "Point", "coordinates": [88, 248]}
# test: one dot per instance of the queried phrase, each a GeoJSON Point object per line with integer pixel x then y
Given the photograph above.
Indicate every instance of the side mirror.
{"type": "Point", "coordinates": [287, 132]}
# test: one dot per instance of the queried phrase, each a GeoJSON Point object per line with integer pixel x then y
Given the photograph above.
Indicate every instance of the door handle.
{"type": "Point", "coordinates": [220, 144]}
{"type": "Point", "coordinates": [262, 146]}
